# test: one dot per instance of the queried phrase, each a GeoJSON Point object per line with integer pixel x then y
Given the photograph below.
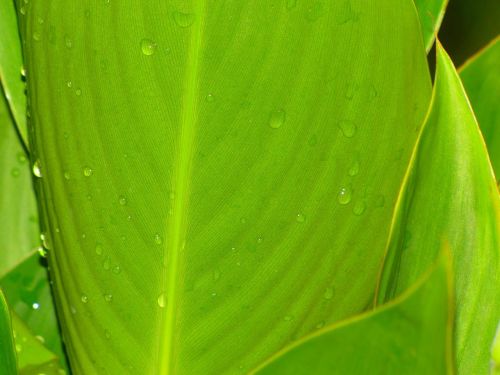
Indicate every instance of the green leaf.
{"type": "Point", "coordinates": [213, 173]}
{"type": "Point", "coordinates": [451, 161]}
{"type": "Point", "coordinates": [27, 290]}
{"type": "Point", "coordinates": [410, 335]}
{"type": "Point", "coordinates": [32, 356]}
{"type": "Point", "coordinates": [431, 13]}
{"type": "Point", "coordinates": [19, 230]}
{"type": "Point", "coordinates": [11, 65]}
{"type": "Point", "coordinates": [7, 354]}
{"type": "Point", "coordinates": [481, 78]}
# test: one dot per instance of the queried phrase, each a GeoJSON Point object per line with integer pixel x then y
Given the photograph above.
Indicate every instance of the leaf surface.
{"type": "Point", "coordinates": [481, 79]}
{"type": "Point", "coordinates": [451, 161]}
{"type": "Point", "coordinates": [7, 354]}
{"type": "Point", "coordinates": [411, 335]}
{"type": "Point", "coordinates": [11, 64]}
{"type": "Point", "coordinates": [213, 172]}
{"type": "Point", "coordinates": [431, 13]}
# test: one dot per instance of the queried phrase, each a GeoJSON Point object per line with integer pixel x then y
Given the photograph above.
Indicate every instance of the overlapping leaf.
{"type": "Point", "coordinates": [450, 195]}
{"type": "Point", "coordinates": [431, 14]}
{"type": "Point", "coordinates": [213, 173]}
{"type": "Point", "coordinates": [7, 353]}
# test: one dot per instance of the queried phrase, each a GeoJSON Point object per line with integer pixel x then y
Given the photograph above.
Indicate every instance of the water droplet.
{"type": "Point", "coordinates": [22, 10]}
{"type": "Point", "coordinates": [66, 175]}
{"type": "Point", "coordinates": [73, 310]}
{"type": "Point", "coordinates": [35, 305]}
{"type": "Point", "coordinates": [359, 208]}
{"type": "Point", "coordinates": [108, 297]}
{"type": "Point", "coordinates": [68, 42]}
{"type": "Point", "coordinates": [42, 252]}
{"type": "Point", "coordinates": [37, 36]}
{"type": "Point", "coordinates": [19, 348]}
{"type": "Point", "coordinates": [40, 338]}
{"type": "Point", "coordinates": [328, 293]}
{"type": "Point", "coordinates": [37, 171]}
{"type": "Point", "coordinates": [260, 240]}
{"type": "Point", "coordinates": [210, 98]}
{"type": "Point", "coordinates": [277, 118]}
{"type": "Point", "coordinates": [148, 47]}
{"type": "Point", "coordinates": [21, 158]}
{"type": "Point", "coordinates": [290, 4]}
{"type": "Point", "coordinates": [216, 275]}
{"type": "Point", "coordinates": [40, 20]}
{"type": "Point", "coordinates": [106, 263]}
{"type": "Point", "coordinates": [15, 172]}
{"type": "Point", "coordinates": [87, 171]}
{"type": "Point", "coordinates": [344, 195]}
{"type": "Point", "coordinates": [162, 300]}
{"type": "Point", "coordinates": [158, 239]}
{"type": "Point", "coordinates": [78, 91]}
{"type": "Point", "coordinates": [117, 269]}
{"type": "Point", "coordinates": [45, 240]}
{"type": "Point", "coordinates": [354, 168]}
{"type": "Point", "coordinates": [69, 84]}
{"type": "Point", "coordinates": [98, 249]}
{"type": "Point", "coordinates": [300, 218]}
{"type": "Point", "coordinates": [288, 318]}
{"type": "Point", "coordinates": [348, 128]}
{"type": "Point", "coordinates": [123, 200]}
{"type": "Point", "coordinates": [84, 298]}
{"type": "Point", "coordinates": [183, 19]}
{"type": "Point", "coordinates": [23, 72]}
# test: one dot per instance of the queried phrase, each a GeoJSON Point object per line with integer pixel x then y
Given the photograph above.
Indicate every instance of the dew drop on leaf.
{"type": "Point", "coordinates": [68, 42]}
{"type": "Point", "coordinates": [123, 200]}
{"type": "Point", "coordinates": [158, 239]}
{"type": "Point", "coordinates": [87, 171]}
{"type": "Point", "coordinates": [277, 118]}
{"type": "Point", "coordinates": [108, 297]}
{"type": "Point", "coordinates": [21, 158]}
{"type": "Point", "coordinates": [37, 171]}
{"type": "Point", "coordinates": [66, 175]}
{"type": "Point", "coordinates": [148, 47]}
{"type": "Point", "coordinates": [98, 249]}
{"type": "Point", "coordinates": [300, 218]}
{"type": "Point", "coordinates": [183, 19]}
{"type": "Point", "coordinates": [14, 172]}
{"type": "Point", "coordinates": [348, 128]}
{"type": "Point", "coordinates": [210, 98]}
{"type": "Point", "coordinates": [37, 36]}
{"type": "Point", "coordinates": [78, 92]}
{"type": "Point", "coordinates": [106, 264]}
{"type": "Point", "coordinates": [162, 300]}
{"type": "Point", "coordinates": [42, 252]}
{"type": "Point", "coordinates": [359, 208]}
{"type": "Point", "coordinates": [84, 298]}
{"type": "Point", "coordinates": [117, 269]}
{"type": "Point", "coordinates": [354, 168]}
{"type": "Point", "coordinates": [344, 195]}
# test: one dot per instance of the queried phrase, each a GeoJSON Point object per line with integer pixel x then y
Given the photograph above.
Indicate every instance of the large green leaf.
{"type": "Point", "coordinates": [450, 195]}
{"type": "Point", "coordinates": [431, 14]}
{"type": "Point", "coordinates": [481, 78]}
{"type": "Point", "coordinates": [214, 172]}
{"type": "Point", "coordinates": [19, 230]}
{"type": "Point", "coordinates": [11, 64]}
{"type": "Point", "coordinates": [27, 290]}
{"type": "Point", "coordinates": [411, 335]}
{"type": "Point", "coordinates": [7, 353]}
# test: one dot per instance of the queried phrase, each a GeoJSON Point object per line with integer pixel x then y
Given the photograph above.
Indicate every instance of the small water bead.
{"type": "Point", "coordinates": [348, 128]}
{"type": "Point", "coordinates": [19, 348]}
{"type": "Point", "coordinates": [260, 240]}
{"type": "Point", "coordinates": [123, 200]}
{"type": "Point", "coordinates": [106, 263]}
{"type": "Point", "coordinates": [98, 249]}
{"type": "Point", "coordinates": [15, 172]}
{"type": "Point", "coordinates": [41, 251]}
{"type": "Point", "coordinates": [21, 158]}
{"type": "Point", "coordinates": [78, 92]}
{"type": "Point", "coordinates": [213, 294]}
{"type": "Point", "coordinates": [40, 338]}
{"type": "Point", "coordinates": [108, 297]}
{"type": "Point", "coordinates": [288, 318]}
{"type": "Point", "coordinates": [35, 305]}
{"type": "Point", "coordinates": [37, 36]}
{"type": "Point", "coordinates": [183, 19]}
{"type": "Point", "coordinates": [148, 47]}
{"type": "Point", "coordinates": [359, 208]}
{"type": "Point", "coordinates": [66, 175]}
{"type": "Point", "coordinates": [300, 218]}
{"type": "Point", "coordinates": [158, 239]}
{"type": "Point", "coordinates": [45, 240]}
{"type": "Point", "coordinates": [84, 298]}
{"type": "Point", "coordinates": [277, 118]}
{"type": "Point", "coordinates": [23, 72]}
{"type": "Point", "coordinates": [328, 293]}
{"type": "Point", "coordinates": [162, 300]}
{"type": "Point", "coordinates": [37, 171]}
{"type": "Point", "coordinates": [22, 10]}
{"type": "Point", "coordinates": [344, 196]}
{"type": "Point", "coordinates": [210, 98]}
{"type": "Point", "coordinates": [69, 84]}
{"type": "Point", "coordinates": [116, 269]}
{"type": "Point", "coordinates": [87, 171]}
{"type": "Point", "coordinates": [354, 168]}
{"type": "Point", "coordinates": [68, 42]}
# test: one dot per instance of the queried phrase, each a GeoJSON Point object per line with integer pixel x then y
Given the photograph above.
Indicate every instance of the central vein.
{"type": "Point", "coordinates": [176, 227]}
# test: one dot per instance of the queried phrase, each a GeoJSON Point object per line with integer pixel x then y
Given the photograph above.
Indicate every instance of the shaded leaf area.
{"type": "Point", "coordinates": [411, 335]}
{"type": "Point", "coordinates": [11, 65]}
{"type": "Point", "coordinates": [33, 358]}
{"type": "Point", "coordinates": [18, 213]}
{"type": "Point", "coordinates": [213, 173]}
{"type": "Point", "coordinates": [450, 196]}
{"type": "Point", "coordinates": [7, 351]}
{"type": "Point", "coordinates": [481, 79]}
{"type": "Point", "coordinates": [27, 291]}
{"type": "Point", "coordinates": [431, 14]}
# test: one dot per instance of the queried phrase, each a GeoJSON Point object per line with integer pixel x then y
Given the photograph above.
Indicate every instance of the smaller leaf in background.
{"type": "Point", "coordinates": [481, 78]}
{"type": "Point", "coordinates": [450, 194]}
{"type": "Point", "coordinates": [431, 14]}
{"type": "Point", "coordinates": [11, 65]}
{"type": "Point", "coordinates": [27, 290]}
{"type": "Point", "coordinates": [411, 335]}
{"type": "Point", "coordinates": [18, 212]}
{"type": "Point", "coordinates": [32, 356]}
{"type": "Point", "coordinates": [7, 353]}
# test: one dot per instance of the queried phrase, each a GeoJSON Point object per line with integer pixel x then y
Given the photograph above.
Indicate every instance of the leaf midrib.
{"type": "Point", "coordinates": [175, 228]}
